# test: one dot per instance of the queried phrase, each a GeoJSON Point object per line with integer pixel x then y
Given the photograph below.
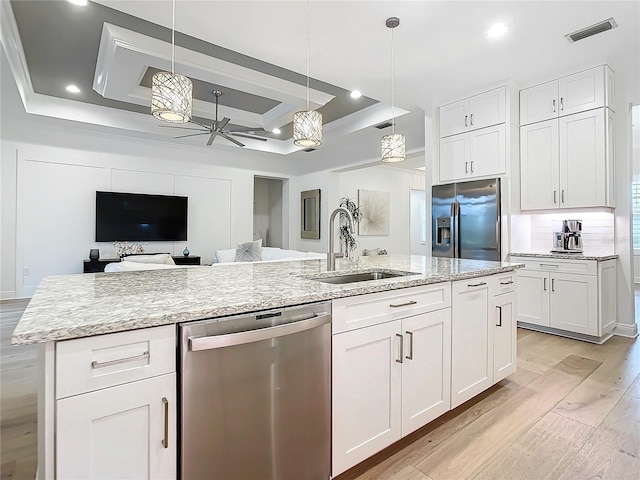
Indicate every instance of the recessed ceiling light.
{"type": "Point", "coordinates": [276, 131]}
{"type": "Point", "coordinates": [356, 94]}
{"type": "Point", "coordinates": [73, 89]}
{"type": "Point", "coordinates": [82, 3]}
{"type": "Point", "coordinates": [497, 30]}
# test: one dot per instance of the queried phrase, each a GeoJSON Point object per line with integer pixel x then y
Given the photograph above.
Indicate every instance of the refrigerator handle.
{"type": "Point", "coordinates": [455, 208]}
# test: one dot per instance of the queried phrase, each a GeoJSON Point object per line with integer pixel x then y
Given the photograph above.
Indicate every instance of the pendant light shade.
{"type": "Point", "coordinates": [171, 93]}
{"type": "Point", "coordinates": [307, 125]}
{"type": "Point", "coordinates": [307, 129]}
{"type": "Point", "coordinates": [393, 146]}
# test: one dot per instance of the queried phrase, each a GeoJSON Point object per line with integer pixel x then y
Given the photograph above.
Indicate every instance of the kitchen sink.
{"type": "Point", "coordinates": [362, 276]}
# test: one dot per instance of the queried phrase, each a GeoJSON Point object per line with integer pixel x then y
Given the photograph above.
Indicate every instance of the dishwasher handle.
{"type": "Point", "coordinates": [227, 340]}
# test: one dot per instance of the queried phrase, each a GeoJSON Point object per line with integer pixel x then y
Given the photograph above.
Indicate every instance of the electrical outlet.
{"type": "Point", "coordinates": [26, 271]}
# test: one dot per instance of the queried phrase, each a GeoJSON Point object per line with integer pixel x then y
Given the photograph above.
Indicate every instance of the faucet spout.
{"type": "Point", "coordinates": [331, 255]}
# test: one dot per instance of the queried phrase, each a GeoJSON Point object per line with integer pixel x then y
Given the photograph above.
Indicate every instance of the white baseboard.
{"type": "Point", "coordinates": [7, 295]}
{"type": "Point", "coordinates": [630, 331]}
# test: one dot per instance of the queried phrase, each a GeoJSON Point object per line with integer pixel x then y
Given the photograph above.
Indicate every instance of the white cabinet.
{"type": "Point", "coordinates": [571, 94]}
{"type": "Point", "coordinates": [123, 432]}
{"type": "Point", "coordinates": [391, 377]}
{"type": "Point", "coordinates": [503, 322]}
{"type": "Point", "coordinates": [565, 162]}
{"type": "Point", "coordinates": [479, 153]}
{"type": "Point", "coordinates": [473, 113]}
{"type": "Point", "coordinates": [471, 347]}
{"type": "Point", "coordinates": [115, 406]}
{"type": "Point", "coordinates": [570, 296]}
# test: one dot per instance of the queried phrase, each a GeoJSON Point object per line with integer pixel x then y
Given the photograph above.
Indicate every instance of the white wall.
{"type": "Point", "coordinates": [420, 223]}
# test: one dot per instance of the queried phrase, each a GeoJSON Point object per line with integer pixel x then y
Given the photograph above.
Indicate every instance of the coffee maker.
{"type": "Point", "coordinates": [569, 240]}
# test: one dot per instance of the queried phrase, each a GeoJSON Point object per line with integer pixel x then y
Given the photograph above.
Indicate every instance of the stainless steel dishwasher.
{"type": "Point", "coordinates": [256, 395]}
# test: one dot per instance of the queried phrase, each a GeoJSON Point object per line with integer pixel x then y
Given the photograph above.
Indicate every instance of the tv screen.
{"type": "Point", "coordinates": [138, 217]}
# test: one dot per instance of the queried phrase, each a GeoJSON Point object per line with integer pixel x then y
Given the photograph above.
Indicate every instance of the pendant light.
{"type": "Point", "coordinates": [171, 93]}
{"type": "Point", "coordinates": [307, 126]}
{"type": "Point", "coordinates": [393, 145]}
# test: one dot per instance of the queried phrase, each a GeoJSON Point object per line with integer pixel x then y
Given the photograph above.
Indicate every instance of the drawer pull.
{"type": "Point", "coordinates": [398, 305]}
{"type": "Point", "coordinates": [144, 356]}
{"type": "Point", "coordinates": [165, 440]}
{"type": "Point", "coordinates": [510, 282]}
{"type": "Point", "coordinates": [550, 265]}
{"type": "Point", "coordinates": [499, 324]}
{"type": "Point", "coordinates": [476, 284]}
{"type": "Point", "coordinates": [401, 348]}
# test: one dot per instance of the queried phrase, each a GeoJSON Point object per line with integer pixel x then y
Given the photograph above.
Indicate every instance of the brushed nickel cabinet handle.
{"type": "Point", "coordinates": [471, 166]}
{"type": "Point", "coordinates": [476, 284]}
{"type": "Point", "coordinates": [553, 285]}
{"type": "Point", "coordinates": [118, 361]}
{"type": "Point", "coordinates": [555, 192]}
{"type": "Point", "coordinates": [401, 360]}
{"type": "Point", "coordinates": [544, 284]}
{"type": "Point", "coordinates": [165, 440]}
{"type": "Point", "coordinates": [465, 120]}
{"type": "Point", "coordinates": [510, 282]}
{"type": "Point", "coordinates": [561, 104]}
{"type": "Point", "coordinates": [406, 304]}
{"type": "Point", "coordinates": [554, 105]}
{"type": "Point", "coordinates": [562, 196]}
{"type": "Point", "coordinates": [466, 167]}
{"type": "Point", "coordinates": [471, 118]}
{"type": "Point", "coordinates": [499, 324]}
{"type": "Point", "coordinates": [410, 356]}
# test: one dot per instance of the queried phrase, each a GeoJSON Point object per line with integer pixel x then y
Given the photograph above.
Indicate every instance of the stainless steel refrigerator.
{"type": "Point", "coordinates": [466, 220]}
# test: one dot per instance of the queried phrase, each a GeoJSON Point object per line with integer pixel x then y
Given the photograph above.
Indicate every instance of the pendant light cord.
{"type": "Point", "coordinates": [308, 46]}
{"type": "Point", "coordinates": [173, 38]}
{"type": "Point", "coordinates": [393, 89]}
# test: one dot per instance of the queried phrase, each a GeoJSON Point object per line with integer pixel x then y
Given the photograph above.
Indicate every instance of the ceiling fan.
{"type": "Point", "coordinates": [219, 128]}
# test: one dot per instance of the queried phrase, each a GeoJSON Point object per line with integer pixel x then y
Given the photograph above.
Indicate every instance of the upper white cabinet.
{"type": "Point", "coordinates": [575, 93]}
{"type": "Point", "coordinates": [473, 113]}
{"type": "Point", "coordinates": [567, 162]}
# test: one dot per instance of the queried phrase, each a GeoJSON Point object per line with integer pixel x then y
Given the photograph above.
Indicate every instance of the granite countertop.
{"type": "Point", "coordinates": [81, 305]}
{"type": "Point", "coordinates": [568, 256]}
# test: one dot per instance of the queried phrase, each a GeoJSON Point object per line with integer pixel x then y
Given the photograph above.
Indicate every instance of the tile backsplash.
{"type": "Point", "coordinates": [597, 230]}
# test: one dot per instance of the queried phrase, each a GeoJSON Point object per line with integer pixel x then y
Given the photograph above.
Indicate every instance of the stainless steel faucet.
{"type": "Point", "coordinates": [331, 255]}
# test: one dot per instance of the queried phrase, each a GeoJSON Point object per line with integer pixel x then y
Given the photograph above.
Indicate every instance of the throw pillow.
{"type": "Point", "coordinates": [249, 251]}
{"type": "Point", "coordinates": [224, 256]}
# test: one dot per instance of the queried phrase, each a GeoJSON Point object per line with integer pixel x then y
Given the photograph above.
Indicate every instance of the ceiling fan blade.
{"type": "Point", "coordinates": [191, 135]}
{"type": "Point", "coordinates": [262, 139]}
{"type": "Point", "coordinates": [223, 123]}
{"type": "Point", "coordinates": [248, 129]}
{"type": "Point", "coordinates": [224, 135]}
{"type": "Point", "coordinates": [184, 128]}
{"type": "Point", "coordinates": [208, 127]}
{"type": "Point", "coordinates": [212, 138]}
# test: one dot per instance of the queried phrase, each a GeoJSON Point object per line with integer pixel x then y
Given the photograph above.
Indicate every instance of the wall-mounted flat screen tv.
{"type": "Point", "coordinates": [139, 217]}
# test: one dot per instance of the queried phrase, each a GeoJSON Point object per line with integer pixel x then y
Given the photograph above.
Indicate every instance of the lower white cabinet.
{"type": "Point", "coordinates": [573, 296]}
{"type": "Point", "coordinates": [471, 347]}
{"type": "Point", "coordinates": [503, 307]}
{"type": "Point", "coordinates": [122, 432]}
{"type": "Point", "coordinates": [389, 379]}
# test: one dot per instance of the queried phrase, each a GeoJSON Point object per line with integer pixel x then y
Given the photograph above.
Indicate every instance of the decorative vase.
{"type": "Point", "coordinates": [186, 252]}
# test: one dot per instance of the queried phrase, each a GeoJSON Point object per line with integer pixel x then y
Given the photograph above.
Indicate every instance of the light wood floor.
{"type": "Point", "coordinates": [571, 411]}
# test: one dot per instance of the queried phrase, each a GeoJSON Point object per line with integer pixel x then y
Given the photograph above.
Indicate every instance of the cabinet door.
{"type": "Point", "coordinates": [533, 297]}
{"type": "Point", "coordinates": [118, 432]}
{"type": "Point", "coordinates": [487, 151]}
{"type": "Point", "coordinates": [454, 158]}
{"type": "Point", "coordinates": [610, 145]}
{"type": "Point", "coordinates": [581, 91]}
{"type": "Point", "coordinates": [487, 109]}
{"type": "Point", "coordinates": [539, 165]}
{"type": "Point", "coordinates": [574, 303]}
{"type": "Point", "coordinates": [583, 160]}
{"type": "Point", "coordinates": [426, 368]}
{"type": "Point", "coordinates": [539, 103]}
{"type": "Point", "coordinates": [366, 410]}
{"type": "Point", "coordinates": [504, 335]}
{"type": "Point", "coordinates": [471, 352]}
{"type": "Point", "coordinates": [454, 118]}
{"type": "Point", "coordinates": [607, 280]}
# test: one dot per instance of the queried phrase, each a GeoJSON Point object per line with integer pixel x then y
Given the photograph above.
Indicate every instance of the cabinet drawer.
{"type": "Point", "coordinates": [92, 363]}
{"type": "Point", "coordinates": [374, 308]}
{"type": "Point", "coordinates": [585, 267]}
{"type": "Point", "coordinates": [503, 283]}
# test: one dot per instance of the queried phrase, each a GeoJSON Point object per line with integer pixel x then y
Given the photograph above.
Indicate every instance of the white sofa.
{"type": "Point", "coordinates": [268, 254]}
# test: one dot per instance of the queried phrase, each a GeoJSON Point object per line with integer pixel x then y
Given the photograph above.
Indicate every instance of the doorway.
{"type": "Point", "coordinates": [418, 242]}
{"type": "Point", "coordinates": [268, 211]}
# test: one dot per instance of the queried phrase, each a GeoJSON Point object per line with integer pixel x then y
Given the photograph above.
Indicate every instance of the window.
{"type": "Point", "coordinates": [635, 202]}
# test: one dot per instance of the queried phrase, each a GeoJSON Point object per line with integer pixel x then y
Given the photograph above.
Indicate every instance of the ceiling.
{"type": "Point", "coordinates": [256, 53]}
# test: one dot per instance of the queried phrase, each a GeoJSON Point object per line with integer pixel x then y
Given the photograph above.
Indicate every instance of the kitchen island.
{"type": "Point", "coordinates": [88, 324]}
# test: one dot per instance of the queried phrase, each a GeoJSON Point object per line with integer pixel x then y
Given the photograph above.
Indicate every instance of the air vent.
{"type": "Point", "coordinates": [592, 30]}
{"type": "Point", "coordinates": [383, 125]}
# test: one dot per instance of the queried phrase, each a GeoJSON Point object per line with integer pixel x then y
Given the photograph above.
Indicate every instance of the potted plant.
{"type": "Point", "coordinates": [348, 238]}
